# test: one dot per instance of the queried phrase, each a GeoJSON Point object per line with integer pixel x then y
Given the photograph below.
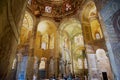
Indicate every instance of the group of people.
{"type": "Point", "coordinates": [62, 77]}
{"type": "Point", "coordinates": [66, 77]}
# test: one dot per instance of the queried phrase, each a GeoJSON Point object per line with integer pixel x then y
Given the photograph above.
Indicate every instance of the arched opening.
{"type": "Point", "coordinates": [93, 36]}
{"type": "Point", "coordinates": [90, 22]}
{"type": "Point", "coordinates": [72, 47]}
{"type": "Point", "coordinates": [45, 36]}
{"type": "Point", "coordinates": [45, 43]}
{"type": "Point", "coordinates": [26, 29]}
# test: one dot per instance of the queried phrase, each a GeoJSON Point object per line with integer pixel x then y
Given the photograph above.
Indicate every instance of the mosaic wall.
{"type": "Point", "coordinates": [116, 23]}
{"type": "Point", "coordinates": [111, 17]}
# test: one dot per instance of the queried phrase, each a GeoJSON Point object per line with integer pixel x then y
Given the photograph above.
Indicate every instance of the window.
{"type": "Point", "coordinates": [97, 35]}
{"type": "Point", "coordinates": [48, 9]}
{"type": "Point", "coordinates": [44, 45]}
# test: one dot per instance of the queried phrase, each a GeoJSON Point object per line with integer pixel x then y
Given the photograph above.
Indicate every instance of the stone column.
{"type": "Point", "coordinates": [56, 51]}
{"type": "Point", "coordinates": [30, 71]}
{"type": "Point", "coordinates": [92, 63]}
{"type": "Point", "coordinates": [72, 58]}
{"type": "Point", "coordinates": [30, 64]}
{"type": "Point", "coordinates": [19, 60]}
{"type": "Point", "coordinates": [49, 39]}
{"type": "Point", "coordinates": [40, 40]}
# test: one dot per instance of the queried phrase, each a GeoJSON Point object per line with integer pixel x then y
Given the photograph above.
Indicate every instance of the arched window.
{"type": "Point", "coordinates": [26, 29]}
{"type": "Point", "coordinates": [44, 44]}
{"type": "Point", "coordinates": [97, 35]}
{"type": "Point", "coordinates": [28, 21]}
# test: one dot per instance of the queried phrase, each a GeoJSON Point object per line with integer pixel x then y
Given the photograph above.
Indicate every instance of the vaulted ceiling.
{"type": "Point", "coordinates": [56, 9]}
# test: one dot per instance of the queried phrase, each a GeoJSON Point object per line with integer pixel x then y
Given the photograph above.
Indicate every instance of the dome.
{"type": "Point", "coordinates": [56, 9]}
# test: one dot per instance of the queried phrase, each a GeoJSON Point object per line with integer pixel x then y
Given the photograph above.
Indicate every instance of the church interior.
{"type": "Point", "coordinates": [59, 40]}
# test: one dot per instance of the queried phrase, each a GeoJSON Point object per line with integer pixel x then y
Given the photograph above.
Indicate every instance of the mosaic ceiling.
{"type": "Point", "coordinates": [54, 8]}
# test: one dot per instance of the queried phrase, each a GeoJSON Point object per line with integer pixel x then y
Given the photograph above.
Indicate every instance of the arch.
{"type": "Point", "coordinates": [72, 29]}
{"type": "Point", "coordinates": [89, 10]}
{"type": "Point", "coordinates": [71, 25]}
{"type": "Point", "coordinates": [46, 26]}
{"type": "Point", "coordinates": [26, 29]}
{"type": "Point", "coordinates": [46, 33]}
{"type": "Point", "coordinates": [90, 20]}
{"type": "Point", "coordinates": [68, 21]}
{"type": "Point", "coordinates": [28, 21]}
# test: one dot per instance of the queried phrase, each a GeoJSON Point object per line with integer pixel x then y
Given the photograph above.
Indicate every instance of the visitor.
{"type": "Point", "coordinates": [77, 78]}
{"type": "Point", "coordinates": [53, 77]}
{"type": "Point", "coordinates": [60, 77]}
{"type": "Point", "coordinates": [34, 77]}
{"type": "Point", "coordinates": [85, 77]}
{"type": "Point", "coordinates": [69, 77]}
{"type": "Point", "coordinates": [65, 77]}
{"type": "Point", "coordinates": [73, 76]}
